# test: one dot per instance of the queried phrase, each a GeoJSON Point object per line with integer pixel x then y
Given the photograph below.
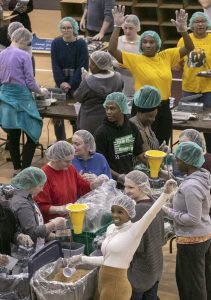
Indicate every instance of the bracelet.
{"type": "Point", "coordinates": [117, 26]}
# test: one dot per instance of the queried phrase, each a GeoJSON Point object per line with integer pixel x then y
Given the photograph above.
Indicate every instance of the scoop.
{"type": "Point", "coordinates": [68, 272]}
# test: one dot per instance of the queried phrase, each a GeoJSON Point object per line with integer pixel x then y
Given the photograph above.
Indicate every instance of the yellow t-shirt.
{"type": "Point", "coordinates": [154, 71]}
{"type": "Point", "coordinates": [191, 82]}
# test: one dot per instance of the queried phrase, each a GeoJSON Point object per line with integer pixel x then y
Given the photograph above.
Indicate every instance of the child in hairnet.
{"type": "Point", "coordinates": [120, 244]}
{"type": "Point", "coordinates": [190, 213]}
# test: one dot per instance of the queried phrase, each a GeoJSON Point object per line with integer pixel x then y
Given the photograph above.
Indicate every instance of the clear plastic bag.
{"type": "Point", "coordinates": [14, 287]}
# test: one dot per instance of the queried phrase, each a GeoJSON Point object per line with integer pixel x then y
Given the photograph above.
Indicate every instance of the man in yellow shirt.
{"type": "Point", "coordinates": [199, 60]}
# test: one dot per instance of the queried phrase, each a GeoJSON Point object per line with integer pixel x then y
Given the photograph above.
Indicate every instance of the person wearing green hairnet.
{"type": "Point", "coordinates": [68, 55]}
{"type": "Point", "coordinates": [118, 139]}
{"type": "Point", "coordinates": [28, 183]}
{"type": "Point", "coordinates": [152, 66]}
{"type": "Point", "coordinates": [190, 213]}
{"type": "Point", "coordinates": [199, 60]}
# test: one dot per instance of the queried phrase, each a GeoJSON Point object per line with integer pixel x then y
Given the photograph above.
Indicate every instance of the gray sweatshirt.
{"type": "Point", "coordinates": [191, 205]}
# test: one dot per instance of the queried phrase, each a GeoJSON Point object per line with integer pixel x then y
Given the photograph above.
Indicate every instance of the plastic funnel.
{"type": "Point", "coordinates": [77, 213]}
{"type": "Point", "coordinates": [155, 158]}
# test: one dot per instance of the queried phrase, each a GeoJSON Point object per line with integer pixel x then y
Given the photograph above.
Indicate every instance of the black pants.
{"type": "Point", "coordinates": [14, 149]}
{"type": "Point", "coordinates": [193, 271]}
{"type": "Point", "coordinates": [163, 122]}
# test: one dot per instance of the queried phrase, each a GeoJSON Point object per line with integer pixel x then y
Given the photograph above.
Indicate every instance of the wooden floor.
{"type": "Point", "coordinates": [44, 23]}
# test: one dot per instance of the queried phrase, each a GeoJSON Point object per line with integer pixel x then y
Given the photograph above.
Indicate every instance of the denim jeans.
{"type": "Point", "coordinates": [151, 294]}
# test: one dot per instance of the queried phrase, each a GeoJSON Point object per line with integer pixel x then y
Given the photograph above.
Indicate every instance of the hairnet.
{"type": "Point", "coordinates": [134, 20]}
{"type": "Point", "coordinates": [13, 26]}
{"type": "Point", "coordinates": [190, 153]}
{"type": "Point", "coordinates": [102, 59]}
{"type": "Point", "coordinates": [193, 136]}
{"type": "Point", "coordinates": [140, 179]}
{"type": "Point", "coordinates": [29, 178]}
{"type": "Point", "coordinates": [88, 140]}
{"type": "Point", "coordinates": [21, 34]}
{"type": "Point", "coordinates": [199, 14]}
{"type": "Point", "coordinates": [147, 98]}
{"type": "Point", "coordinates": [72, 21]}
{"type": "Point", "coordinates": [127, 203]}
{"type": "Point", "coordinates": [119, 99]}
{"type": "Point", "coordinates": [59, 151]}
{"type": "Point", "coordinates": [152, 34]}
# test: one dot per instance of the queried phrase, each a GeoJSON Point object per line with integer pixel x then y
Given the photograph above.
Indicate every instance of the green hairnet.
{"type": "Point", "coordinates": [148, 97]}
{"type": "Point", "coordinates": [59, 151]}
{"type": "Point", "coordinates": [190, 153]}
{"type": "Point", "coordinates": [134, 20]}
{"type": "Point", "coordinates": [197, 15]}
{"type": "Point", "coordinates": [13, 26]}
{"type": "Point", "coordinates": [119, 99]}
{"type": "Point", "coordinates": [155, 37]}
{"type": "Point", "coordinates": [102, 59]}
{"type": "Point", "coordinates": [193, 136]}
{"type": "Point", "coordinates": [72, 21]}
{"type": "Point", "coordinates": [88, 140]}
{"type": "Point", "coordinates": [21, 34]}
{"type": "Point", "coordinates": [29, 178]}
{"type": "Point", "coordinates": [140, 179]}
{"type": "Point", "coordinates": [126, 203]}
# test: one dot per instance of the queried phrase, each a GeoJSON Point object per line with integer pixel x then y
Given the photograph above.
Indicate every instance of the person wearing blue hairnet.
{"type": "Point", "coordinates": [68, 55]}
{"type": "Point", "coordinates": [117, 138]}
{"type": "Point", "coordinates": [152, 66]}
{"type": "Point", "coordinates": [190, 213]}
{"type": "Point", "coordinates": [122, 239]}
{"type": "Point", "coordinates": [28, 183]}
{"type": "Point", "coordinates": [199, 60]}
{"type": "Point", "coordinates": [94, 88]}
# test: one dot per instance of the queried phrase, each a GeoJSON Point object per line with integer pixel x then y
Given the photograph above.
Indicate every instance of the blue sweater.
{"type": "Point", "coordinates": [97, 164]}
{"type": "Point", "coordinates": [73, 55]}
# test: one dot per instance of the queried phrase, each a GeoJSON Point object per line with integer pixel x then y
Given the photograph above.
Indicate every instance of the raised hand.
{"type": "Point", "coordinates": [118, 14]}
{"type": "Point", "coordinates": [181, 20]}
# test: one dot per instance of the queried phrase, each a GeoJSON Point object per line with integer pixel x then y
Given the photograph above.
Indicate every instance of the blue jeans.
{"type": "Point", "coordinates": [151, 294]}
{"type": "Point", "coordinates": [206, 99]}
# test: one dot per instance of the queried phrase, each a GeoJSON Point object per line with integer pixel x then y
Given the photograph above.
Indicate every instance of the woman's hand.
{"type": "Point", "coordinates": [65, 86]}
{"type": "Point", "coordinates": [181, 20]}
{"type": "Point", "coordinates": [89, 176]}
{"type": "Point", "coordinates": [170, 186]}
{"type": "Point", "coordinates": [3, 260]}
{"type": "Point", "coordinates": [59, 223]}
{"type": "Point", "coordinates": [24, 240]}
{"type": "Point", "coordinates": [118, 14]}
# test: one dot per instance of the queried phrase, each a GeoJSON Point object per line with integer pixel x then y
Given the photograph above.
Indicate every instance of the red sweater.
{"type": "Point", "coordinates": [62, 187]}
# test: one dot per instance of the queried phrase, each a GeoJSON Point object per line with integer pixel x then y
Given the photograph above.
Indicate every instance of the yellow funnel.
{"type": "Point", "coordinates": [77, 213]}
{"type": "Point", "coordinates": [155, 158]}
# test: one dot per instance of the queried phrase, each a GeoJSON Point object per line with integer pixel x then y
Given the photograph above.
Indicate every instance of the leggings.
{"type": "Point", "coordinates": [14, 149]}
{"type": "Point", "coordinates": [114, 284]}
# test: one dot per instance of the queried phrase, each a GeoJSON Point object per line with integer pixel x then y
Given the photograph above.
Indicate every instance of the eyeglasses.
{"type": "Point", "coordinates": [66, 28]}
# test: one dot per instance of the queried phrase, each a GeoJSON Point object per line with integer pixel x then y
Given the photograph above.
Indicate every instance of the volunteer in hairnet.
{"type": "Point", "coordinates": [94, 88]}
{"type": "Point", "coordinates": [18, 111]}
{"type": "Point", "coordinates": [64, 184]}
{"type": "Point", "coordinates": [190, 213]}
{"type": "Point", "coordinates": [87, 161]}
{"type": "Point", "coordinates": [120, 244]}
{"type": "Point", "coordinates": [28, 183]}
{"type": "Point", "coordinates": [146, 267]}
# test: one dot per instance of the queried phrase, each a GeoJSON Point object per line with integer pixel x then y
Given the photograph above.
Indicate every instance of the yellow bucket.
{"type": "Point", "coordinates": [155, 158]}
{"type": "Point", "coordinates": [77, 213]}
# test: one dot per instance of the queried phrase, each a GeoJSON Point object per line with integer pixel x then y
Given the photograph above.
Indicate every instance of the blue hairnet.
{"type": "Point", "coordinates": [126, 203]}
{"type": "Point", "coordinates": [193, 136]}
{"type": "Point", "coordinates": [119, 99]}
{"type": "Point", "coordinates": [147, 97]}
{"type": "Point", "coordinates": [190, 153]}
{"type": "Point", "coordinates": [29, 178]}
{"type": "Point", "coordinates": [197, 15]}
{"type": "Point", "coordinates": [88, 140]}
{"type": "Point", "coordinates": [73, 22]}
{"type": "Point", "coordinates": [155, 37]}
{"type": "Point", "coordinates": [59, 151]}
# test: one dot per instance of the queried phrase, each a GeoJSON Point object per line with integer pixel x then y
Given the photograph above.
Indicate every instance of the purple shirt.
{"type": "Point", "coordinates": [16, 67]}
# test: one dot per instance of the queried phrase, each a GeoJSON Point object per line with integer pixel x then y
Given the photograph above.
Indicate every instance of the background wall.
{"type": "Point", "coordinates": [46, 4]}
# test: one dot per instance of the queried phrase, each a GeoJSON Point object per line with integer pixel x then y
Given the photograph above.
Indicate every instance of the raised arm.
{"type": "Point", "coordinates": [118, 15]}
{"type": "Point", "coordinates": [181, 25]}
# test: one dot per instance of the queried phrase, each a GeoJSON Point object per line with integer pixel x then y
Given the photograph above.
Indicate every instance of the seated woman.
{"type": "Point", "coordinates": [64, 184]}
{"type": "Point", "coordinates": [87, 161]}
{"type": "Point", "coordinates": [129, 42]}
{"type": "Point", "coordinates": [146, 267]}
{"type": "Point", "coordinates": [94, 88]}
{"type": "Point", "coordinates": [28, 183]}
{"type": "Point", "coordinates": [146, 101]}
{"type": "Point", "coordinates": [120, 244]}
{"type": "Point", "coordinates": [18, 110]}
